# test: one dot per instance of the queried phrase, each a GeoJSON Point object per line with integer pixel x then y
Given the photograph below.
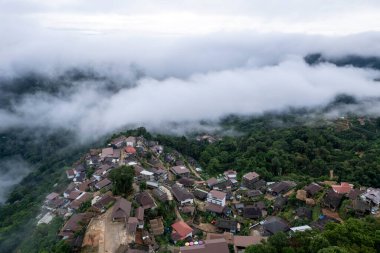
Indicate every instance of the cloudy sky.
{"type": "Point", "coordinates": [200, 59]}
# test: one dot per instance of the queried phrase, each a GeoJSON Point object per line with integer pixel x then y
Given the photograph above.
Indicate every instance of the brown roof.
{"type": "Point", "coordinates": [75, 223]}
{"type": "Point", "coordinates": [180, 170]}
{"type": "Point", "coordinates": [217, 194]}
{"type": "Point", "coordinates": [245, 241]}
{"type": "Point", "coordinates": [209, 246]}
{"type": "Point", "coordinates": [214, 208]}
{"type": "Point", "coordinates": [212, 181]}
{"type": "Point", "coordinates": [228, 236]}
{"type": "Point", "coordinates": [132, 224]}
{"type": "Point", "coordinates": [313, 188]}
{"type": "Point", "coordinates": [157, 226]}
{"type": "Point", "coordinates": [52, 196]}
{"type": "Point", "coordinates": [180, 193]}
{"type": "Point", "coordinates": [103, 183]}
{"type": "Point", "coordinates": [251, 175]}
{"type": "Point", "coordinates": [186, 181]}
{"type": "Point", "coordinates": [104, 201]}
{"type": "Point", "coordinates": [74, 194]}
{"type": "Point", "coordinates": [140, 213]}
{"type": "Point", "coordinates": [182, 228]}
{"type": "Point", "coordinates": [122, 209]}
{"type": "Point", "coordinates": [145, 200]}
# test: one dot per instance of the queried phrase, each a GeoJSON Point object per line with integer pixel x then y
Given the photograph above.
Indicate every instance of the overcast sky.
{"type": "Point", "coordinates": [201, 59]}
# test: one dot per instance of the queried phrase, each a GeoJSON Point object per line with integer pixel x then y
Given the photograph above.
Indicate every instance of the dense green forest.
{"type": "Point", "coordinates": [348, 147]}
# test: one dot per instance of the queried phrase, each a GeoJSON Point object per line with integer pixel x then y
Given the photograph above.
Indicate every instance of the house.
{"type": "Point", "coordinates": [180, 170]}
{"type": "Point", "coordinates": [332, 200]}
{"type": "Point", "coordinates": [57, 203]}
{"type": "Point", "coordinates": [129, 150]}
{"type": "Point", "coordinates": [241, 242]}
{"type": "Point", "coordinates": [80, 177]}
{"type": "Point", "coordinates": [84, 186]}
{"type": "Point", "coordinates": [101, 203]}
{"type": "Point", "coordinates": [52, 196]}
{"type": "Point", "coordinates": [121, 210]}
{"type": "Point", "coordinates": [147, 175]}
{"type": "Point", "coordinates": [70, 173]}
{"type": "Point", "coordinates": [280, 203]}
{"type": "Point", "coordinates": [84, 197]}
{"type": "Point", "coordinates": [139, 213]}
{"type": "Point", "coordinates": [157, 226]}
{"type": "Point", "coordinates": [355, 194]}
{"type": "Point", "coordinates": [300, 228]}
{"type": "Point", "coordinates": [372, 196]}
{"type": "Point", "coordinates": [214, 208]}
{"type": "Point", "coordinates": [187, 182]}
{"type": "Point", "coordinates": [208, 246]}
{"type": "Point", "coordinates": [211, 182]}
{"type": "Point", "coordinates": [249, 179]}
{"type": "Point", "coordinates": [273, 225]}
{"type": "Point", "coordinates": [200, 194]}
{"type": "Point", "coordinates": [227, 225]}
{"type": "Point", "coordinates": [160, 195]}
{"type": "Point", "coordinates": [131, 141]}
{"type": "Point", "coordinates": [110, 155]}
{"type": "Point", "coordinates": [312, 189]}
{"type": "Point", "coordinates": [361, 207]}
{"type": "Point", "coordinates": [145, 200]}
{"type": "Point", "coordinates": [216, 197]}
{"type": "Point", "coordinates": [304, 213]}
{"type": "Point", "coordinates": [131, 228]}
{"type": "Point", "coordinates": [182, 195]}
{"type": "Point", "coordinates": [230, 174]}
{"type": "Point", "coordinates": [103, 184]}
{"type": "Point", "coordinates": [281, 187]}
{"type": "Point", "coordinates": [252, 212]}
{"type": "Point", "coordinates": [160, 174]}
{"type": "Point", "coordinates": [74, 195]}
{"type": "Point", "coordinates": [229, 237]}
{"type": "Point", "coordinates": [343, 188]}
{"type": "Point", "coordinates": [101, 171]}
{"type": "Point", "coordinates": [253, 193]}
{"type": "Point", "coordinates": [260, 185]}
{"type": "Point", "coordinates": [181, 231]}
{"type": "Point", "coordinates": [74, 225]}
{"type": "Point", "coordinates": [71, 187]}
{"type": "Point", "coordinates": [119, 142]}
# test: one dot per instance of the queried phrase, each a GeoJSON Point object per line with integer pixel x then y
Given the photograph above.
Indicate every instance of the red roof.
{"type": "Point", "coordinates": [130, 150]}
{"type": "Point", "coordinates": [182, 228]}
{"type": "Point", "coordinates": [343, 188]}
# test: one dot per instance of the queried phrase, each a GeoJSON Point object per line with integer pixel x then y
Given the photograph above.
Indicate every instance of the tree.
{"type": "Point", "coordinates": [260, 248]}
{"type": "Point", "coordinates": [333, 249]}
{"type": "Point", "coordinates": [122, 179]}
{"type": "Point", "coordinates": [319, 242]}
{"type": "Point", "coordinates": [279, 241]}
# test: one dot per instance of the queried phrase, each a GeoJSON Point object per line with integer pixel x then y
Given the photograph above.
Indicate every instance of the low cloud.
{"type": "Point", "coordinates": [91, 112]}
{"type": "Point", "coordinates": [12, 170]}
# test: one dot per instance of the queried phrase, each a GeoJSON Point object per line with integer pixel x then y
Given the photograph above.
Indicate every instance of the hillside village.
{"type": "Point", "coordinates": [175, 206]}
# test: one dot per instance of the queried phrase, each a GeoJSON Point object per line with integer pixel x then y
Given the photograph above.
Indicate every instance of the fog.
{"type": "Point", "coordinates": [12, 170]}
{"type": "Point", "coordinates": [180, 63]}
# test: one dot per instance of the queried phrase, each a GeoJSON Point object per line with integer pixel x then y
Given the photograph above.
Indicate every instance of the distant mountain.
{"type": "Point", "coordinates": [349, 60]}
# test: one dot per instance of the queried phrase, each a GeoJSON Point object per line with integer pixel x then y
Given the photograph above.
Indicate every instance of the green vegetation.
{"type": "Point", "coordinates": [122, 179]}
{"type": "Point", "coordinates": [354, 235]}
{"type": "Point", "coordinates": [293, 151]}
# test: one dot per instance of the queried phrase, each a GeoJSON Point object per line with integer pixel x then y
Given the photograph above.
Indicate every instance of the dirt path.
{"type": "Point", "coordinates": [331, 214]}
{"type": "Point", "coordinates": [114, 234]}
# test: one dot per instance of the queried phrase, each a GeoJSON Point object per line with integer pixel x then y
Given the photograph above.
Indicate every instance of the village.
{"type": "Point", "coordinates": [176, 207]}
